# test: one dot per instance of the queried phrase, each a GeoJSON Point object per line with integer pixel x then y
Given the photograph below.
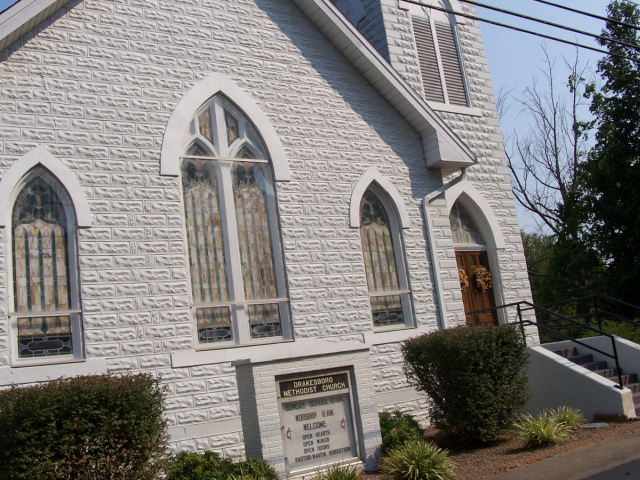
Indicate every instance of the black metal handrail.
{"type": "Point", "coordinates": [532, 307]}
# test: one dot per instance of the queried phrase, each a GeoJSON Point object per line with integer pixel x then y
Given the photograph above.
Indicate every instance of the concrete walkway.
{"type": "Point", "coordinates": [617, 458]}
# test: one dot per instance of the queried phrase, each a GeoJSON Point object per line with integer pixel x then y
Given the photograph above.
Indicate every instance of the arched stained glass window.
{"type": "Point", "coordinates": [41, 276]}
{"type": "Point", "coordinates": [464, 229]}
{"type": "Point", "coordinates": [237, 275]}
{"type": "Point", "coordinates": [388, 296]}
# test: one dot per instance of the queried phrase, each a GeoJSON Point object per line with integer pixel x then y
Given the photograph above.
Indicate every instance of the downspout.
{"type": "Point", "coordinates": [432, 243]}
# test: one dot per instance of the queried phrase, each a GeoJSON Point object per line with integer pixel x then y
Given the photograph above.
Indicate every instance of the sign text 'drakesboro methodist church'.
{"type": "Point", "coordinates": [310, 386]}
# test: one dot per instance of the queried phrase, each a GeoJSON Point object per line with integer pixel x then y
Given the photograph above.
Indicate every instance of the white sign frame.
{"type": "Point", "coordinates": [353, 433]}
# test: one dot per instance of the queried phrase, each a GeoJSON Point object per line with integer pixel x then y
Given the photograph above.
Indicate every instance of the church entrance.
{"type": "Point", "coordinates": [472, 262]}
{"type": "Point", "coordinates": [477, 290]}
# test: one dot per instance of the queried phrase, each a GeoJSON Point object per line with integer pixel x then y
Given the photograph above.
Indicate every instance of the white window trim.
{"type": "Point", "coordinates": [399, 218]}
{"type": "Point", "coordinates": [222, 155]}
{"type": "Point", "coordinates": [401, 267]}
{"type": "Point", "coordinates": [192, 102]}
{"type": "Point", "coordinates": [75, 313]}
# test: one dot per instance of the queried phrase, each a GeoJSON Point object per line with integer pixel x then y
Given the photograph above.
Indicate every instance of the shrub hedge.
{"type": "Point", "coordinates": [396, 429]}
{"type": "Point", "coordinates": [475, 378]}
{"type": "Point", "coordinates": [209, 466]}
{"type": "Point", "coordinates": [88, 427]}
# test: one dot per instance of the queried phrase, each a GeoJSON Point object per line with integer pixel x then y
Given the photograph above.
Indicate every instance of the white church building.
{"type": "Point", "coordinates": [257, 200]}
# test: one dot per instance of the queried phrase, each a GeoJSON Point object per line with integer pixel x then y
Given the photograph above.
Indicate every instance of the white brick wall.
{"type": "Point", "coordinates": [95, 86]}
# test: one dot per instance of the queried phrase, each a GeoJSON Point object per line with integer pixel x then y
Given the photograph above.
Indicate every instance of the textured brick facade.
{"type": "Point", "coordinates": [95, 86]}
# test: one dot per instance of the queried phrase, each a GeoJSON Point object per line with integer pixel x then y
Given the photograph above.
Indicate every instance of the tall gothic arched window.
{"type": "Point", "coordinates": [384, 264]}
{"type": "Point", "coordinates": [235, 257]}
{"type": "Point", "coordinates": [46, 304]}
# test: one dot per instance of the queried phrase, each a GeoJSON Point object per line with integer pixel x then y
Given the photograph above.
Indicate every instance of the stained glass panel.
{"type": "Point", "coordinates": [379, 261]}
{"type": "Point", "coordinates": [464, 229]}
{"type": "Point", "coordinates": [214, 325]}
{"type": "Point", "coordinates": [204, 231]}
{"type": "Point", "coordinates": [387, 311]}
{"type": "Point", "coordinates": [197, 150]}
{"type": "Point", "coordinates": [232, 127]}
{"type": "Point", "coordinates": [40, 270]}
{"type": "Point", "coordinates": [264, 321]}
{"type": "Point", "coordinates": [204, 121]}
{"type": "Point", "coordinates": [44, 337]}
{"type": "Point", "coordinates": [245, 152]}
{"type": "Point", "coordinates": [256, 253]}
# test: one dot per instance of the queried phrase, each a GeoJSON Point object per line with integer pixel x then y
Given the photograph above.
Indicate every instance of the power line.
{"type": "Point", "coordinates": [551, 24]}
{"type": "Point", "coordinates": [588, 14]}
{"type": "Point", "coordinates": [518, 29]}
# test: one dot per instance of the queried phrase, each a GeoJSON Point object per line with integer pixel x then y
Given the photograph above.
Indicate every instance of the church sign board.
{"type": "Point", "coordinates": [316, 420]}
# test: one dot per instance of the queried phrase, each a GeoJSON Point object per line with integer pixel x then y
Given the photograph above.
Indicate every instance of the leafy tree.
{"type": "Point", "coordinates": [611, 194]}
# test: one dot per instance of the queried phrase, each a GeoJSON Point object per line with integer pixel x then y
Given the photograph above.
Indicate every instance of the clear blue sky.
{"type": "Point", "coordinates": [6, 3]}
{"type": "Point", "coordinates": [515, 58]}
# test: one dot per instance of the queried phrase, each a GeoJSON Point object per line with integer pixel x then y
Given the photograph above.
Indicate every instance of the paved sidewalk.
{"type": "Point", "coordinates": [616, 458]}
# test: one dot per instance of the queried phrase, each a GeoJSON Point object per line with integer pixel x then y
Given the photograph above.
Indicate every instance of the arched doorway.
{"type": "Point", "coordinates": [472, 262]}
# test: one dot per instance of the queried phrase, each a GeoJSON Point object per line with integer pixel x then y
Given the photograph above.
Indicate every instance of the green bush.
{"type": "Point", "coordinates": [396, 429]}
{"type": "Point", "coordinates": [88, 427]}
{"type": "Point", "coordinates": [417, 460]}
{"type": "Point", "coordinates": [209, 466]}
{"type": "Point", "coordinates": [571, 417]}
{"type": "Point", "coordinates": [540, 431]}
{"type": "Point", "coordinates": [475, 379]}
{"type": "Point", "coordinates": [338, 472]}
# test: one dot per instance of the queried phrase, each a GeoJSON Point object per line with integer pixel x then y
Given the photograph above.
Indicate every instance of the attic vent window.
{"type": "Point", "coordinates": [439, 59]}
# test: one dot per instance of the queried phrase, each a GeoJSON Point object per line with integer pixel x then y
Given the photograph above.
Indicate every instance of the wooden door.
{"type": "Point", "coordinates": [474, 297]}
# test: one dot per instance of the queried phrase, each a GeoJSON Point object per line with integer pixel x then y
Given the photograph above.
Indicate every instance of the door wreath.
{"type": "Point", "coordinates": [483, 279]}
{"type": "Point", "coordinates": [464, 279]}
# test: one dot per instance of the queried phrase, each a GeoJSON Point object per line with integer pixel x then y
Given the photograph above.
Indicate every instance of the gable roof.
{"type": "Point", "coordinates": [442, 147]}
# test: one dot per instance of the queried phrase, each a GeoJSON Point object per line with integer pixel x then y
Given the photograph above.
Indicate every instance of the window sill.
{"type": "Point", "coordinates": [24, 372]}
{"type": "Point", "coordinates": [444, 107]}
{"type": "Point", "coordinates": [269, 352]}
{"type": "Point", "coordinates": [214, 346]}
{"type": "Point", "coordinates": [381, 337]}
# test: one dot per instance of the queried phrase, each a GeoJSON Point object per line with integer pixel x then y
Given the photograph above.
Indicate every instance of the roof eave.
{"type": "Point", "coordinates": [442, 147]}
{"type": "Point", "coordinates": [23, 16]}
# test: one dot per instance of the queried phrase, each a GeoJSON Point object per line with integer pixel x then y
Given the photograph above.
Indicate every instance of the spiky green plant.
{"type": "Point", "coordinates": [540, 431]}
{"type": "Point", "coordinates": [338, 472]}
{"type": "Point", "coordinates": [571, 417]}
{"type": "Point", "coordinates": [417, 460]}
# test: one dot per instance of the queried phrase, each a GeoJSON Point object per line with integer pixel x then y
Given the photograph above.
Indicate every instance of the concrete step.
{"type": "Point", "coordinates": [634, 387]}
{"type": "Point", "coordinates": [608, 372]}
{"type": "Point", "coordinates": [632, 378]}
{"type": "Point", "coordinates": [581, 359]}
{"type": "Point", "coordinates": [566, 352]}
{"type": "Point", "coordinates": [636, 400]}
{"type": "Point", "coordinates": [593, 366]}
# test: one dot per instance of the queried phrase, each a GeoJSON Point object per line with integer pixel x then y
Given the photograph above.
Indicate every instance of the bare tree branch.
{"type": "Point", "coordinates": [544, 162]}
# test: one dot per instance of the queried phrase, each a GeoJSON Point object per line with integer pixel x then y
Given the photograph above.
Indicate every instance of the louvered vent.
{"type": "Point", "coordinates": [428, 60]}
{"type": "Point", "coordinates": [451, 64]}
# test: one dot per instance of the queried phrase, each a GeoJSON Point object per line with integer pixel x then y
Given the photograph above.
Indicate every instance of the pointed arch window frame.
{"type": "Point", "coordinates": [374, 182]}
{"type": "Point", "coordinates": [223, 154]}
{"type": "Point", "coordinates": [39, 163]}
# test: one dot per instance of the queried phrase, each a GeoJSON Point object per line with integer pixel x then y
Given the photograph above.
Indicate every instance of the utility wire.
{"type": "Point", "coordinates": [518, 29]}
{"type": "Point", "coordinates": [592, 15]}
{"type": "Point", "coordinates": [551, 24]}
